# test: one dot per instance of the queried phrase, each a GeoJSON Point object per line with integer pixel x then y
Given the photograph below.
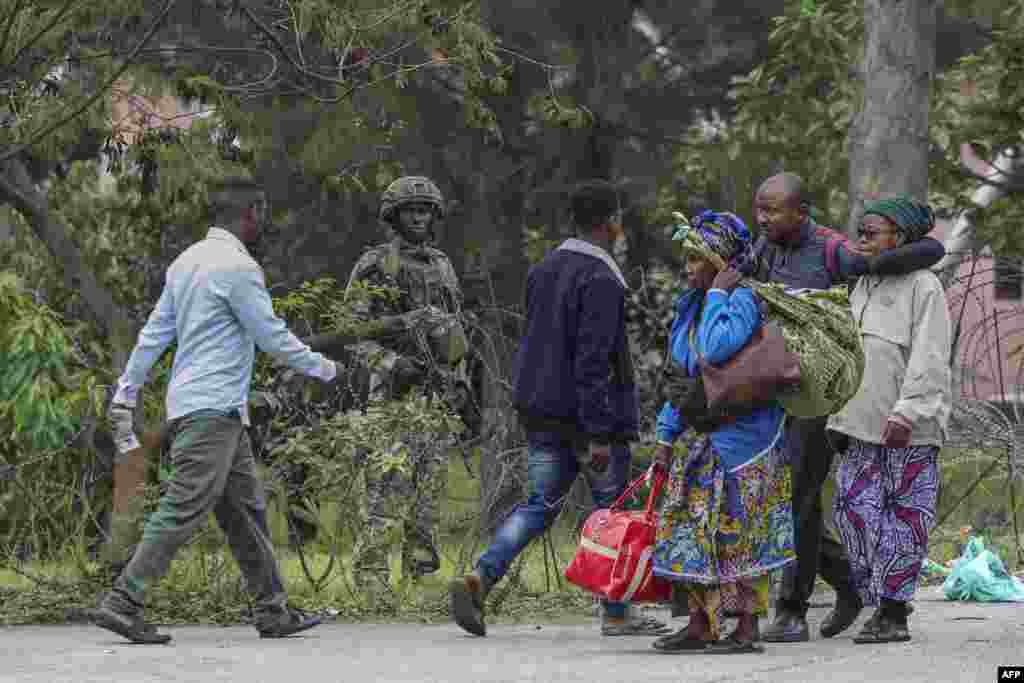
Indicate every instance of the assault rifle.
{"type": "Point", "coordinates": [444, 333]}
{"type": "Point", "coordinates": [386, 328]}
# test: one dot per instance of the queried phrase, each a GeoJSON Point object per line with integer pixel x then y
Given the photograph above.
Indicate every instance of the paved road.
{"type": "Point", "coordinates": [952, 642]}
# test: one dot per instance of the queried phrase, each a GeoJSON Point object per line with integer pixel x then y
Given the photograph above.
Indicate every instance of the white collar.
{"type": "Point", "coordinates": [581, 247]}
{"type": "Point", "coordinates": [218, 233]}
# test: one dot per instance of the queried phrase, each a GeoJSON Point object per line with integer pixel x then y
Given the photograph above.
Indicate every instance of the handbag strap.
{"type": "Point", "coordinates": [660, 477]}
{"type": "Point", "coordinates": [693, 340]}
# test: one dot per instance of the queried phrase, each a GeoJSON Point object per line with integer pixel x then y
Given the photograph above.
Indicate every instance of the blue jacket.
{"type": "Point", "coordinates": [726, 325]}
{"type": "Point", "coordinates": [573, 370]}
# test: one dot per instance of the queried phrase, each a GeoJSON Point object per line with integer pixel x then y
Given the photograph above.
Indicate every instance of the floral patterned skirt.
{"type": "Point", "coordinates": [721, 526]}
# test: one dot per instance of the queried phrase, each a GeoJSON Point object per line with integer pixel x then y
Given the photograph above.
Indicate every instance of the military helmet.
{"type": "Point", "coordinates": [409, 190]}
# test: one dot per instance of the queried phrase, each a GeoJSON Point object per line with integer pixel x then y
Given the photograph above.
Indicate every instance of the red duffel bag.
{"type": "Point", "coordinates": [616, 553]}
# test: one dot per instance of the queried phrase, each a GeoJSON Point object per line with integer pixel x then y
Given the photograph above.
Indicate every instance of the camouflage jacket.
{"type": "Point", "coordinates": [423, 275]}
{"type": "Point", "coordinates": [424, 278]}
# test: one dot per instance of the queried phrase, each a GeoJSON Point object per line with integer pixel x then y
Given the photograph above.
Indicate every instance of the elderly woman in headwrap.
{"type": "Point", "coordinates": [891, 431]}
{"type": "Point", "coordinates": [727, 519]}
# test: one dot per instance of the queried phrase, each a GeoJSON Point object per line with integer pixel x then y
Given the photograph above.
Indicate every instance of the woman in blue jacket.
{"type": "Point", "coordinates": [727, 519]}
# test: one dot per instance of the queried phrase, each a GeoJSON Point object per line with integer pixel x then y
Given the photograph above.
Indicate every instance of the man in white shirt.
{"type": "Point", "coordinates": [215, 305]}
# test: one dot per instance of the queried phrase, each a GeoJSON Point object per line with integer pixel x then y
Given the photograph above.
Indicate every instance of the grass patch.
{"type": "Point", "coordinates": [204, 584]}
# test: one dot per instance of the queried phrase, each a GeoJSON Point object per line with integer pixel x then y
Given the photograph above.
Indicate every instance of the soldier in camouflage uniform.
{"type": "Point", "coordinates": [428, 345]}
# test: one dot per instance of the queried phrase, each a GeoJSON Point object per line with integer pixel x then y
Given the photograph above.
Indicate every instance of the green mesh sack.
{"type": "Point", "coordinates": [817, 326]}
{"type": "Point", "coordinates": [820, 330]}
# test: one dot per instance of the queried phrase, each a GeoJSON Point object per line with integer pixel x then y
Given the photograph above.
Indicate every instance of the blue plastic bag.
{"type": "Point", "coordinates": [979, 575]}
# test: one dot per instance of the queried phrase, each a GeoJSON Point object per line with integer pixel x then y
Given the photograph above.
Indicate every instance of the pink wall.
{"type": "Point", "coordinates": [979, 359]}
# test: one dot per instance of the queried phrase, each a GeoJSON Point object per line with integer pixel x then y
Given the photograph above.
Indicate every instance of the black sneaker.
{"type": "Point", "coordinates": [286, 622]}
{"type": "Point", "coordinates": [131, 626]}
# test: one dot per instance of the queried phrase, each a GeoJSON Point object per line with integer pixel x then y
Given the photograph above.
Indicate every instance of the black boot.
{"type": "Point", "coordinates": [890, 625]}
{"type": "Point", "coordinates": [842, 616]}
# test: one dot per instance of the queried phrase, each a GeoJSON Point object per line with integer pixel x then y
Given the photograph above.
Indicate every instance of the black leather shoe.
{"type": "Point", "coordinates": [787, 628]}
{"type": "Point", "coordinates": [884, 630]}
{"type": "Point", "coordinates": [287, 622]}
{"type": "Point", "coordinates": [131, 626]}
{"type": "Point", "coordinates": [841, 617]}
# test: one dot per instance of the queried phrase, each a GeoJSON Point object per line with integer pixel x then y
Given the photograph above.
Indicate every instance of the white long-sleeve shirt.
{"type": "Point", "coordinates": [216, 305]}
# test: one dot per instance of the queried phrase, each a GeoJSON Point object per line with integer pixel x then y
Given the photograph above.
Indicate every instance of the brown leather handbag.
{"type": "Point", "coordinates": [758, 375]}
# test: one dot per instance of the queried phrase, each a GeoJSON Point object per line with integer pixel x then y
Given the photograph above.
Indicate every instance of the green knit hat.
{"type": "Point", "coordinates": [913, 219]}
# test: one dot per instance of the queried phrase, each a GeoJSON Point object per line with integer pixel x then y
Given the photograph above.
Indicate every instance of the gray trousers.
{"type": "Point", "coordinates": [214, 471]}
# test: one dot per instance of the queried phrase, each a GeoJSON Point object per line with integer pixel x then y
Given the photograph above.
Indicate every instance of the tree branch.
{"type": "Point", "coordinates": [102, 91]}
{"type": "Point", "coordinates": [9, 26]}
{"type": "Point", "coordinates": [42, 32]}
{"type": "Point", "coordinates": [16, 188]}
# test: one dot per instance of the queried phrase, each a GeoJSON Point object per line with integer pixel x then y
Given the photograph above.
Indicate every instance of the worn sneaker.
{"type": "Point", "coordinates": [467, 594]}
{"type": "Point", "coordinates": [131, 626]}
{"type": "Point", "coordinates": [286, 622]}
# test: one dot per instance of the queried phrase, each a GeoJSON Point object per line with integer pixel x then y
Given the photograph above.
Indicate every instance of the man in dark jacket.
{"type": "Point", "coordinates": [793, 250]}
{"type": "Point", "coordinates": [576, 398]}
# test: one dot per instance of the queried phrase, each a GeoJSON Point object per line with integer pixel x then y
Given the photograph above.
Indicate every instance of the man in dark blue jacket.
{"type": "Point", "coordinates": [575, 395]}
{"type": "Point", "coordinates": [793, 250]}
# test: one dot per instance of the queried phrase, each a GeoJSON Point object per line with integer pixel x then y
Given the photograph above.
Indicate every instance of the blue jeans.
{"type": "Point", "coordinates": [552, 468]}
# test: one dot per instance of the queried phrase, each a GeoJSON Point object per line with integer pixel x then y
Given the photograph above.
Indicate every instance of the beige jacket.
{"type": "Point", "coordinates": [904, 323]}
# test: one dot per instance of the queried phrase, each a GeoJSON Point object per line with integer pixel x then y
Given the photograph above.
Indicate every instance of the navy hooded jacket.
{"type": "Point", "coordinates": [573, 371]}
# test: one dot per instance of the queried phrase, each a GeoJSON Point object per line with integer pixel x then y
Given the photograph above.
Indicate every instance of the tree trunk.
{"type": "Point", "coordinates": [17, 189]}
{"type": "Point", "coordinates": [1007, 168]}
{"type": "Point", "coordinates": [889, 137]}
{"type": "Point", "coordinates": [501, 469]}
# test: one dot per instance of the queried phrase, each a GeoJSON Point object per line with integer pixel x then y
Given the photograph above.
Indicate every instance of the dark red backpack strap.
{"type": "Point", "coordinates": [832, 241]}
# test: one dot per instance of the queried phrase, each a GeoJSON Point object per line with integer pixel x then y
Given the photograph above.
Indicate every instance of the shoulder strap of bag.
{"type": "Point", "coordinates": [660, 476]}
{"type": "Point", "coordinates": [832, 241]}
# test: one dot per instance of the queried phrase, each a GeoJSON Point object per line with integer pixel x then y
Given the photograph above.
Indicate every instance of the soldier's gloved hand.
{"type": "Point", "coordinates": [405, 375]}
{"type": "Point", "coordinates": [407, 370]}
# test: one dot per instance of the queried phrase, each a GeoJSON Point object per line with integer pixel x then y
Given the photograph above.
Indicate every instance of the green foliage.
{"type": "Point", "coordinates": [34, 48]}
{"type": "Point", "coordinates": [45, 394]}
{"type": "Point", "coordinates": [536, 244]}
{"type": "Point", "coordinates": [559, 111]}
{"type": "Point", "coordinates": [794, 110]}
{"type": "Point", "coordinates": [330, 450]}
{"type": "Point", "coordinates": [41, 396]}
{"type": "Point", "coordinates": [791, 112]}
{"type": "Point", "coordinates": [982, 104]}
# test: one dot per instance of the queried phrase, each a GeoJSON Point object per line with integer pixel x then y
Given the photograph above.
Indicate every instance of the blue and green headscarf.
{"type": "Point", "coordinates": [913, 220]}
{"type": "Point", "coordinates": [720, 237]}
